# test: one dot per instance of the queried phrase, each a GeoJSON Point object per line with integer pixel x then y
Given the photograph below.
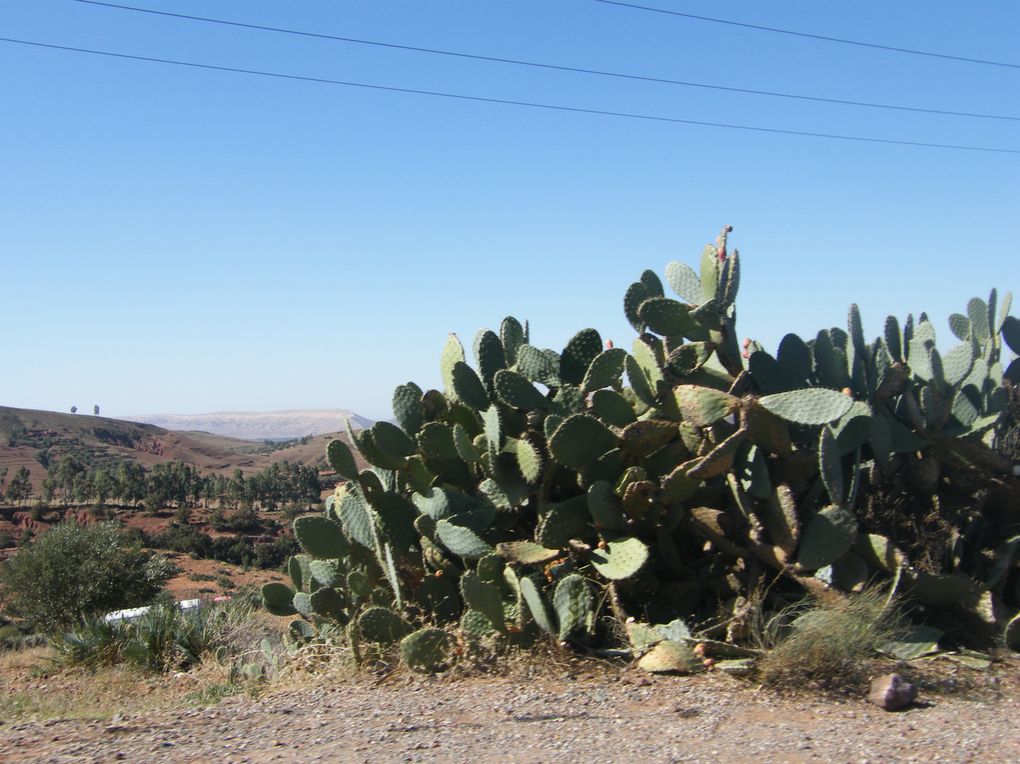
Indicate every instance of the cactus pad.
{"type": "Point", "coordinates": [526, 552]}
{"type": "Point", "coordinates": [828, 536]}
{"type": "Point", "coordinates": [341, 459]}
{"type": "Point", "coordinates": [516, 391]}
{"type": "Point", "coordinates": [620, 559]}
{"type": "Point", "coordinates": [321, 537]}
{"type": "Point", "coordinates": [578, 355]}
{"type": "Point", "coordinates": [703, 406]}
{"type": "Point", "coordinates": [427, 651]}
{"type": "Point", "coordinates": [580, 441]}
{"type": "Point", "coordinates": [278, 599]}
{"type": "Point", "coordinates": [811, 406]}
{"type": "Point", "coordinates": [382, 626]}
{"type": "Point", "coordinates": [573, 603]}
{"type": "Point", "coordinates": [606, 370]}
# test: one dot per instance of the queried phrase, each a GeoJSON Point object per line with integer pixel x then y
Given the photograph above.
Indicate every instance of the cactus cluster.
{"type": "Point", "coordinates": [546, 491]}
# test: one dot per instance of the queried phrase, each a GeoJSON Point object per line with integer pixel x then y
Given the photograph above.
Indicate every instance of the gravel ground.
{"type": "Point", "coordinates": [611, 717]}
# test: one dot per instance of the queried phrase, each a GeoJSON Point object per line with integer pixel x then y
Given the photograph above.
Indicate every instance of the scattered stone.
{"type": "Point", "coordinates": [892, 692]}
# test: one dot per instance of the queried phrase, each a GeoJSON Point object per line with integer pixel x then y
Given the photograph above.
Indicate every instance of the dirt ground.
{"type": "Point", "coordinates": [603, 714]}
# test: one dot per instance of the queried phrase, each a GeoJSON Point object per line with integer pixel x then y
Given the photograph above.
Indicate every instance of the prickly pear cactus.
{"type": "Point", "coordinates": [549, 492]}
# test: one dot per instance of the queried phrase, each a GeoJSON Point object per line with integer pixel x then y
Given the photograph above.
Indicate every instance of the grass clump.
{"type": "Point", "coordinates": [829, 644]}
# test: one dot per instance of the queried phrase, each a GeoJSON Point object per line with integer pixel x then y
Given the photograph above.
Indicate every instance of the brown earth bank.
{"type": "Point", "coordinates": [609, 715]}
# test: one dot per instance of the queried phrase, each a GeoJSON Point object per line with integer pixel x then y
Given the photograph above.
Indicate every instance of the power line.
{"type": "Point", "coordinates": [840, 40]}
{"type": "Point", "coordinates": [509, 102]}
{"type": "Point", "coordinates": [555, 67]}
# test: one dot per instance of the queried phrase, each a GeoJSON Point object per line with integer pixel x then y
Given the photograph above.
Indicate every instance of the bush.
{"type": "Point", "coordinates": [165, 638]}
{"type": "Point", "coordinates": [830, 643]}
{"type": "Point", "coordinates": [72, 572]}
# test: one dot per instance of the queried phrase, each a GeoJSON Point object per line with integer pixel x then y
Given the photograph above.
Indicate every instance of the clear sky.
{"type": "Point", "coordinates": [181, 240]}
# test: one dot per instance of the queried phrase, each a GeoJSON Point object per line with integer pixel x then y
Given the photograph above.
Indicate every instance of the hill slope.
{"type": "Point", "coordinates": [28, 435]}
{"type": "Point", "coordinates": [259, 425]}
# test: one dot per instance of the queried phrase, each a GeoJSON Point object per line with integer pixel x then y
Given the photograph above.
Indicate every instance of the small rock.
{"type": "Point", "coordinates": [892, 692]}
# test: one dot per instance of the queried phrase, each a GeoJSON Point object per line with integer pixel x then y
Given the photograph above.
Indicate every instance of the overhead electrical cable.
{"type": "Point", "coordinates": [809, 35]}
{"type": "Point", "coordinates": [508, 102]}
{"type": "Point", "coordinates": [554, 67]}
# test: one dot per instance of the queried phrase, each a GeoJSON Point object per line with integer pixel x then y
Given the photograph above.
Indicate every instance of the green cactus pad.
{"type": "Point", "coordinates": [829, 534]}
{"type": "Point", "coordinates": [453, 353]}
{"type": "Point", "coordinates": [811, 406]}
{"type": "Point", "coordinates": [703, 406]}
{"type": "Point", "coordinates": [435, 441]}
{"type": "Point", "coordinates": [578, 355]}
{"type": "Point", "coordinates": [460, 540]}
{"type": "Point", "coordinates": [483, 597]}
{"type": "Point", "coordinates": [580, 441]}
{"type": "Point", "coordinates": [960, 326]}
{"type": "Point", "coordinates": [325, 572]}
{"type": "Point", "coordinates": [795, 361]}
{"type": "Point", "coordinates": [709, 273]}
{"type": "Point", "coordinates": [564, 521]}
{"type": "Point", "coordinates": [668, 317]}
{"type": "Point", "coordinates": [526, 552]}
{"type": "Point", "coordinates": [495, 435]}
{"type": "Point", "coordinates": [640, 383]}
{"type": "Point", "coordinates": [464, 445]}
{"type": "Point", "coordinates": [538, 366]}
{"type": "Point", "coordinates": [489, 355]}
{"type": "Point", "coordinates": [278, 599]}
{"type": "Point", "coordinates": [636, 294]}
{"type": "Point", "coordinates": [396, 515]}
{"type": "Point", "coordinates": [533, 598]}
{"type": "Point", "coordinates": [475, 624]}
{"type": "Point", "coordinates": [302, 602]}
{"type": "Point", "coordinates": [321, 537]}
{"type": "Point", "coordinates": [829, 466]}
{"type": "Point", "coordinates": [382, 626]}
{"type": "Point", "coordinates": [356, 518]}
{"type": "Point", "coordinates": [690, 357]}
{"type": "Point", "coordinates": [940, 589]}
{"type": "Point", "coordinates": [407, 407]}
{"type": "Point", "coordinates": [427, 651]}
{"type": "Point", "coordinates": [568, 400]}
{"type": "Point", "coordinates": [393, 441]}
{"type": "Point", "coordinates": [684, 282]}
{"type": "Point", "coordinates": [620, 559]}
{"type": "Point", "coordinates": [893, 339]}
{"type": "Point", "coordinates": [512, 335]}
{"type": "Point", "coordinates": [765, 429]}
{"type": "Point", "coordinates": [648, 436]}
{"type": "Point", "coordinates": [957, 363]}
{"type": "Point", "coordinates": [468, 387]}
{"type": "Point", "coordinates": [331, 603]}
{"type": "Point", "coordinates": [530, 459]}
{"type": "Point", "coordinates": [1011, 333]}
{"type": "Point", "coordinates": [977, 312]}
{"type": "Point", "coordinates": [341, 459]}
{"type": "Point", "coordinates": [669, 657]}
{"type": "Point", "coordinates": [516, 391]}
{"type": "Point", "coordinates": [300, 631]}
{"type": "Point", "coordinates": [606, 370]}
{"type": "Point", "coordinates": [605, 508]}
{"type": "Point", "coordinates": [574, 604]}
{"type": "Point", "coordinates": [300, 571]}
{"type": "Point", "coordinates": [612, 408]}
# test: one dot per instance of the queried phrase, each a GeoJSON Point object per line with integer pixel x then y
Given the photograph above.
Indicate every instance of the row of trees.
{"type": "Point", "coordinates": [176, 484]}
{"type": "Point", "coordinates": [20, 487]}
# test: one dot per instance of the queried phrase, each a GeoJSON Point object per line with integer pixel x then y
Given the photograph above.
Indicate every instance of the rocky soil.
{"type": "Point", "coordinates": [604, 716]}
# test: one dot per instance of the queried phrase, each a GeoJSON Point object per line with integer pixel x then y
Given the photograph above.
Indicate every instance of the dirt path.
{"type": "Point", "coordinates": [608, 718]}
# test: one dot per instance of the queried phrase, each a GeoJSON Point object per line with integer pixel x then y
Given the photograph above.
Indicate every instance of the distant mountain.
{"type": "Point", "coordinates": [259, 425]}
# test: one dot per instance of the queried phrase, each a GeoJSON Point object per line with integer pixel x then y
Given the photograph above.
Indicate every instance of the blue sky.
{"type": "Point", "coordinates": [182, 240]}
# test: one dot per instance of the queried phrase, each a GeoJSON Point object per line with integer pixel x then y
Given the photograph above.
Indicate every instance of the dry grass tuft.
{"type": "Point", "coordinates": [830, 644]}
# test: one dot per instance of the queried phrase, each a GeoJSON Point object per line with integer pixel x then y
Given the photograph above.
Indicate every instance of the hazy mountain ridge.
{"type": "Point", "coordinates": [259, 425]}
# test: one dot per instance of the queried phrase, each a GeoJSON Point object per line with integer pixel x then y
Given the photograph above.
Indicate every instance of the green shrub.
{"type": "Point", "coordinates": [72, 572]}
